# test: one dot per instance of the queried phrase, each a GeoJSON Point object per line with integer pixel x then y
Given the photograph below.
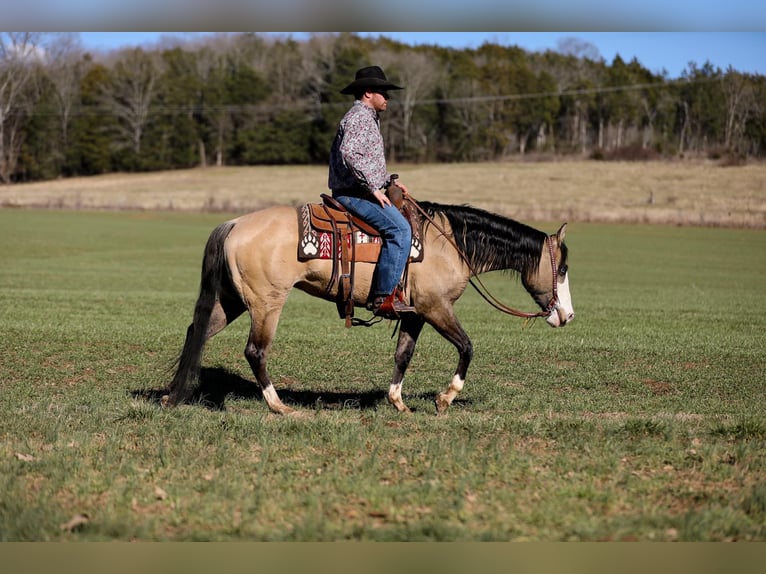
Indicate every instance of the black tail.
{"type": "Point", "coordinates": [214, 273]}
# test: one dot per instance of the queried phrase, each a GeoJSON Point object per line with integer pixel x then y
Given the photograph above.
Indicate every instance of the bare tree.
{"type": "Point", "coordinates": [19, 54]}
{"type": "Point", "coordinates": [419, 74]}
{"type": "Point", "coordinates": [685, 127]}
{"type": "Point", "coordinates": [285, 61]}
{"type": "Point", "coordinates": [65, 68]}
{"type": "Point", "coordinates": [210, 63]}
{"type": "Point", "coordinates": [318, 64]}
{"type": "Point", "coordinates": [740, 100]}
{"type": "Point", "coordinates": [579, 48]}
{"type": "Point", "coordinates": [131, 92]}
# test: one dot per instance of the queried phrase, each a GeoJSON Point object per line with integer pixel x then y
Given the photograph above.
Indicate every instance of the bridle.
{"type": "Point", "coordinates": [483, 291]}
{"type": "Point", "coordinates": [489, 298]}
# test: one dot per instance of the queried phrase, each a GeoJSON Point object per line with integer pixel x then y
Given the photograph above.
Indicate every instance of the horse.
{"type": "Point", "coordinates": [250, 264]}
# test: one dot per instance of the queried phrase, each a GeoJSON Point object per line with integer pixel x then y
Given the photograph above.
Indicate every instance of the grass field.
{"type": "Point", "coordinates": [642, 420]}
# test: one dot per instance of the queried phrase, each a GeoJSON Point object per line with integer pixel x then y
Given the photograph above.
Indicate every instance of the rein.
{"type": "Point", "coordinates": [484, 292]}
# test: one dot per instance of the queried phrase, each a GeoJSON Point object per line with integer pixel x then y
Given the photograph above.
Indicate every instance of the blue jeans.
{"type": "Point", "coordinates": [396, 233]}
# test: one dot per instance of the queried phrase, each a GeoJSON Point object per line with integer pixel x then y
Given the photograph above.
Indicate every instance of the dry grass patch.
{"type": "Point", "coordinates": [685, 193]}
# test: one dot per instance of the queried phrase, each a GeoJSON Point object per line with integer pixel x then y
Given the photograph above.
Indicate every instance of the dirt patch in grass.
{"type": "Point", "coordinates": [658, 387]}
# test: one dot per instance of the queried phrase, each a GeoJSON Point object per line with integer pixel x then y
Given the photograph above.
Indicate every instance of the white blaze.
{"type": "Point", "coordinates": [564, 311]}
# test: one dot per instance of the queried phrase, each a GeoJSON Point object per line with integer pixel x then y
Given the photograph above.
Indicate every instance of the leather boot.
{"type": "Point", "coordinates": [390, 307]}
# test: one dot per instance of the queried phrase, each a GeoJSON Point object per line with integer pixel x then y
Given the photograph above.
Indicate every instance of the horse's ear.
{"type": "Point", "coordinates": [561, 233]}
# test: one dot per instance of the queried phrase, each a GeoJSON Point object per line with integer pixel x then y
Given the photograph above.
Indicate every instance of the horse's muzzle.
{"type": "Point", "coordinates": [559, 316]}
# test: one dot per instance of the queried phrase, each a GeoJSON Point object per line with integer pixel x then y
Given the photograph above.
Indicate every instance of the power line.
{"type": "Point", "coordinates": [307, 106]}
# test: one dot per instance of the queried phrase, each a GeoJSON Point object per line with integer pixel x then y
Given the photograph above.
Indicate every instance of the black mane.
{"type": "Point", "coordinates": [491, 241]}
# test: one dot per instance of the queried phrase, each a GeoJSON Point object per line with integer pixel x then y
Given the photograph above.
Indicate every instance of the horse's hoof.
{"type": "Point", "coordinates": [442, 404]}
{"type": "Point", "coordinates": [399, 405]}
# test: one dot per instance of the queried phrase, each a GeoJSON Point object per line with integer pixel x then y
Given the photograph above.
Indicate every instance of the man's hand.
{"type": "Point", "coordinates": [380, 195]}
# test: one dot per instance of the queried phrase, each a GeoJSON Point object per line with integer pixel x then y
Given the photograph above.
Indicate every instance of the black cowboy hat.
{"type": "Point", "coordinates": [371, 77]}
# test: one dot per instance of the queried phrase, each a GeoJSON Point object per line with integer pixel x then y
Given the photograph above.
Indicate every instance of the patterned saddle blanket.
{"type": "Point", "coordinates": [319, 229]}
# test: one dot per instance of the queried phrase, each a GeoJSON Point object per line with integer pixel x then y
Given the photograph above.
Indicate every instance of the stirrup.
{"type": "Point", "coordinates": [390, 307]}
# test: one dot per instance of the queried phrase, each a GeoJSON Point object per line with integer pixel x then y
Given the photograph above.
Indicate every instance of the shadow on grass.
{"type": "Point", "coordinates": [217, 383]}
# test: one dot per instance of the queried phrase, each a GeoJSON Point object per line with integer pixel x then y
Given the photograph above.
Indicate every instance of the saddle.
{"type": "Point", "coordinates": [328, 231]}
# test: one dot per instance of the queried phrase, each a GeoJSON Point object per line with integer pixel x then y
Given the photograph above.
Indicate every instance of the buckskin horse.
{"type": "Point", "coordinates": [250, 264]}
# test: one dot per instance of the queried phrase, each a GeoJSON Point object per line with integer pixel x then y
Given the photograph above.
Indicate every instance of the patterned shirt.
{"type": "Point", "coordinates": [357, 156]}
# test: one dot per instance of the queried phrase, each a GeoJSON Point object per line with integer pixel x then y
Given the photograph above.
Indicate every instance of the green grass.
{"type": "Point", "coordinates": [642, 420]}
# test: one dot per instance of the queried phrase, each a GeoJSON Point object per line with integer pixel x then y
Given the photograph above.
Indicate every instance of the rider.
{"type": "Point", "coordinates": [358, 180]}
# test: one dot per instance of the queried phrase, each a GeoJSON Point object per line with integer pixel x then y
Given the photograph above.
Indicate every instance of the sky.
{"type": "Point", "coordinates": [670, 52]}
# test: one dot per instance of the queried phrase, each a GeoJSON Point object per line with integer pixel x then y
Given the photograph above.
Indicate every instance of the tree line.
{"type": "Point", "coordinates": [246, 99]}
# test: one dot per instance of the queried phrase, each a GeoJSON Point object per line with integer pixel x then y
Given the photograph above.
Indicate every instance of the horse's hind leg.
{"type": "Point", "coordinates": [256, 352]}
{"type": "Point", "coordinates": [225, 310]}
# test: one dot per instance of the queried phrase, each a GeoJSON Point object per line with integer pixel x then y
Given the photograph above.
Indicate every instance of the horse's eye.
{"type": "Point", "coordinates": [563, 270]}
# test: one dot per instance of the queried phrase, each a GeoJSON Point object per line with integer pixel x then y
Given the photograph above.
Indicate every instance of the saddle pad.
{"type": "Point", "coordinates": [315, 243]}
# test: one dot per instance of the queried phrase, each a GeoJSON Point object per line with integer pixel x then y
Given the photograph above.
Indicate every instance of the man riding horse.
{"type": "Point", "coordinates": [358, 179]}
{"type": "Point", "coordinates": [252, 262]}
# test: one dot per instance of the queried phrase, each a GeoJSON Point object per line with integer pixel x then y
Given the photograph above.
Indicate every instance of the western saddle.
{"type": "Point", "coordinates": [333, 218]}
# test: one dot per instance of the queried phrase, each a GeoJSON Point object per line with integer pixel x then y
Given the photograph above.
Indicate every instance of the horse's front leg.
{"type": "Point", "coordinates": [409, 331]}
{"type": "Point", "coordinates": [450, 328]}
